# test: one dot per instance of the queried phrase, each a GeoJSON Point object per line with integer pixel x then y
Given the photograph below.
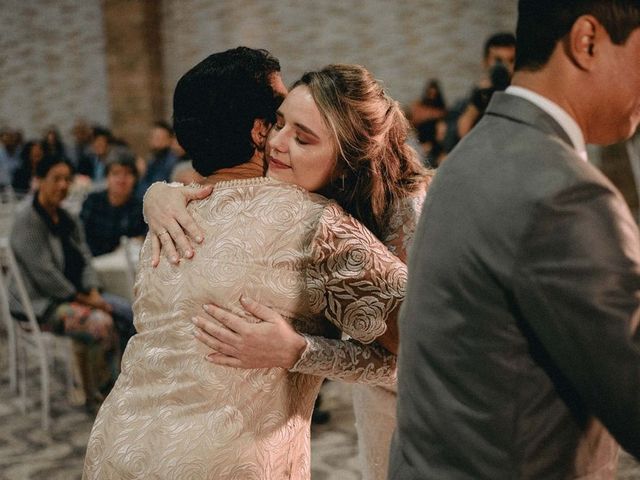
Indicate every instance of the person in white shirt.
{"type": "Point", "coordinates": [519, 345]}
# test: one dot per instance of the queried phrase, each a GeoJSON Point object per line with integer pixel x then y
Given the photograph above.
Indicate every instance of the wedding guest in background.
{"type": "Point", "coordinates": [24, 178]}
{"type": "Point", "coordinates": [10, 150]}
{"type": "Point", "coordinates": [52, 143]}
{"type": "Point", "coordinates": [114, 212]}
{"type": "Point", "coordinates": [82, 135]}
{"type": "Point", "coordinates": [55, 263]}
{"type": "Point", "coordinates": [162, 160]}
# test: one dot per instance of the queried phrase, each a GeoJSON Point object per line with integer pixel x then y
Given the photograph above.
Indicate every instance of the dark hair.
{"type": "Point", "coordinates": [57, 148]}
{"type": "Point", "coordinates": [125, 159]}
{"type": "Point", "coordinates": [216, 102]}
{"type": "Point", "coordinates": [25, 153]}
{"type": "Point", "coordinates": [165, 126]}
{"type": "Point", "coordinates": [99, 131]}
{"type": "Point", "coordinates": [542, 23]}
{"type": "Point", "coordinates": [502, 39]}
{"type": "Point", "coordinates": [50, 161]}
{"type": "Point", "coordinates": [438, 100]}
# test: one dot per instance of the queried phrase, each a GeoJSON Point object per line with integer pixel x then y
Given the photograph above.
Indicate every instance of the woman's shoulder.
{"type": "Point", "coordinates": [263, 188]}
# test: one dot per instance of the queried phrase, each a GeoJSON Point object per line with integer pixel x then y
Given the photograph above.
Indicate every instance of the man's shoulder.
{"type": "Point", "coordinates": [95, 199]}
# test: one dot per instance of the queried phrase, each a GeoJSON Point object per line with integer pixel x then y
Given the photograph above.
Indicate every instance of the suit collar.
{"type": "Point", "coordinates": [523, 111]}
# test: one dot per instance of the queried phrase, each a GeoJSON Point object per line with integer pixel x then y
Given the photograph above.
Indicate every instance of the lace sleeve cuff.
{"type": "Point", "coordinates": [347, 361]}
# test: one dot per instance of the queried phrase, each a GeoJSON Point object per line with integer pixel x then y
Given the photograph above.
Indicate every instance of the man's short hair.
{"type": "Point", "coordinates": [124, 159]}
{"type": "Point", "coordinates": [542, 23]}
{"type": "Point", "coordinates": [215, 105]}
{"type": "Point", "coordinates": [502, 39]}
{"type": "Point", "coordinates": [48, 162]}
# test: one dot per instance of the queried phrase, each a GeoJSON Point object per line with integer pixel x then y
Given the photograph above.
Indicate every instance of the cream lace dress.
{"type": "Point", "coordinates": [171, 415]}
{"type": "Point", "coordinates": [371, 367]}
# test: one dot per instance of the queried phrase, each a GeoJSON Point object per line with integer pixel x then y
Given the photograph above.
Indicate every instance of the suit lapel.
{"type": "Point", "coordinates": [523, 111]}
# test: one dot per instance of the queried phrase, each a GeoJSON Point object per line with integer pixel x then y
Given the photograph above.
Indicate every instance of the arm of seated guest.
{"type": "Point", "coordinates": [170, 225]}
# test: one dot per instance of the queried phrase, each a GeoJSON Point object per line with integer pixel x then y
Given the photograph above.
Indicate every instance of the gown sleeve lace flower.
{"type": "Point", "coordinates": [350, 360]}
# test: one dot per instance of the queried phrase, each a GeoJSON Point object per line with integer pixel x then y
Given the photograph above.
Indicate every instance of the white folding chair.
{"type": "Point", "coordinates": [131, 248]}
{"type": "Point", "coordinates": [31, 341]}
{"type": "Point", "coordinates": [7, 209]}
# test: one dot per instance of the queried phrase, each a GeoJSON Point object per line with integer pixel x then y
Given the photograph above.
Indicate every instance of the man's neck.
{"type": "Point", "coordinates": [251, 169]}
{"type": "Point", "coordinates": [546, 84]}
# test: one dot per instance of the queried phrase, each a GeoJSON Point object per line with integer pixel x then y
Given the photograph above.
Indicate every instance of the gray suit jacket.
{"type": "Point", "coordinates": [519, 335]}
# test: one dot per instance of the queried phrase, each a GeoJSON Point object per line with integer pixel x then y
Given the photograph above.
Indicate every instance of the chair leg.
{"type": "Point", "coordinates": [22, 377]}
{"type": "Point", "coordinates": [13, 360]}
{"type": "Point", "coordinates": [68, 365]}
{"type": "Point", "coordinates": [45, 394]}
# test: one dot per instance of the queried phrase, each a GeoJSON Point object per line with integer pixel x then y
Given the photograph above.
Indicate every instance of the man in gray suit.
{"type": "Point", "coordinates": [519, 350]}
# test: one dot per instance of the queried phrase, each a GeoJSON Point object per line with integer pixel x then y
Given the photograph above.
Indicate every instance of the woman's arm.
{"type": "Point", "coordinates": [274, 343]}
{"type": "Point", "coordinates": [171, 227]}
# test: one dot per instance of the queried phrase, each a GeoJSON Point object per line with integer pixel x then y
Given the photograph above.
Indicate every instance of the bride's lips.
{"type": "Point", "coordinates": [277, 164]}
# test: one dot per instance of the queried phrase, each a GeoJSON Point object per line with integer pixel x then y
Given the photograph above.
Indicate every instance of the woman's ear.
{"type": "Point", "coordinates": [259, 133]}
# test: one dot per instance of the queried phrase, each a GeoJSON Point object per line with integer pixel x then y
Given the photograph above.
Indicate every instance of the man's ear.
{"type": "Point", "coordinates": [259, 133]}
{"type": "Point", "coordinates": [582, 41]}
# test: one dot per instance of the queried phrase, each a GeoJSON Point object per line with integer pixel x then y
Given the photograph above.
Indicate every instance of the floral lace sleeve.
{"type": "Point", "coordinates": [402, 224]}
{"type": "Point", "coordinates": [353, 279]}
{"type": "Point", "coordinates": [348, 360]}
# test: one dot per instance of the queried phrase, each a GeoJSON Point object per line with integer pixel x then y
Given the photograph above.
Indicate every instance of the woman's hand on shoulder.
{"type": "Point", "coordinates": [171, 227]}
{"type": "Point", "coordinates": [273, 342]}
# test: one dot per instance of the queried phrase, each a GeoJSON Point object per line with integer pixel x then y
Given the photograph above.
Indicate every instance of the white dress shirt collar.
{"type": "Point", "coordinates": [560, 115]}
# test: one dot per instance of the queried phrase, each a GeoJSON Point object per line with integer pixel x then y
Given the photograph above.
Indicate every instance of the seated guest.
{"type": "Point", "coordinates": [114, 212]}
{"type": "Point", "coordinates": [162, 160]}
{"type": "Point", "coordinates": [56, 267]}
{"type": "Point", "coordinates": [23, 177]}
{"type": "Point", "coordinates": [104, 149]}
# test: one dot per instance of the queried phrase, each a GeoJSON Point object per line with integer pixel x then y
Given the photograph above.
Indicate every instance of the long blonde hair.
{"type": "Point", "coordinates": [375, 168]}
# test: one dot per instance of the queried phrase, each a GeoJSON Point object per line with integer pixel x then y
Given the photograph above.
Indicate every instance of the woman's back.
{"type": "Point", "coordinates": [175, 415]}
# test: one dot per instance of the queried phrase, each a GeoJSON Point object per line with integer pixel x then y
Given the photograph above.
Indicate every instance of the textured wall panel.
{"type": "Point", "coordinates": [403, 42]}
{"type": "Point", "coordinates": [52, 68]}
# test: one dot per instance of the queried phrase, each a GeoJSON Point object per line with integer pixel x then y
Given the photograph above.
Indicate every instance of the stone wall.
{"type": "Point", "coordinates": [52, 67]}
{"type": "Point", "coordinates": [116, 62]}
{"type": "Point", "coordinates": [403, 42]}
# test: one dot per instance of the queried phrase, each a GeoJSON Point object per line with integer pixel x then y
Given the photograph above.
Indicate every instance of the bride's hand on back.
{"type": "Point", "coordinates": [171, 226]}
{"type": "Point", "coordinates": [273, 342]}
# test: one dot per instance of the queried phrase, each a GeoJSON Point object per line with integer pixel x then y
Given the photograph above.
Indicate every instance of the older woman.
{"type": "Point", "coordinates": [56, 265]}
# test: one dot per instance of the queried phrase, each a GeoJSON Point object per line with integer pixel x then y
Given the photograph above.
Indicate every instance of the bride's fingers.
{"type": "Point", "coordinates": [180, 240]}
{"type": "Point", "coordinates": [230, 320]}
{"type": "Point", "coordinates": [224, 360]}
{"type": "Point", "coordinates": [214, 343]}
{"type": "Point", "coordinates": [155, 250]}
{"type": "Point", "coordinates": [218, 332]}
{"type": "Point", "coordinates": [168, 248]}
{"type": "Point", "coordinates": [260, 311]}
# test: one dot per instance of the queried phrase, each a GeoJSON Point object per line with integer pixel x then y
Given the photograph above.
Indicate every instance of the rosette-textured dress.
{"type": "Point", "coordinates": [171, 415]}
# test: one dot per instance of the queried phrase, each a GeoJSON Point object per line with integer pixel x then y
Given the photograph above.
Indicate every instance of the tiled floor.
{"type": "Point", "coordinates": [27, 453]}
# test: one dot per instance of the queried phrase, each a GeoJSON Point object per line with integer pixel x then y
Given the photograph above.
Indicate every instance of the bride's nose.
{"type": "Point", "coordinates": [277, 141]}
